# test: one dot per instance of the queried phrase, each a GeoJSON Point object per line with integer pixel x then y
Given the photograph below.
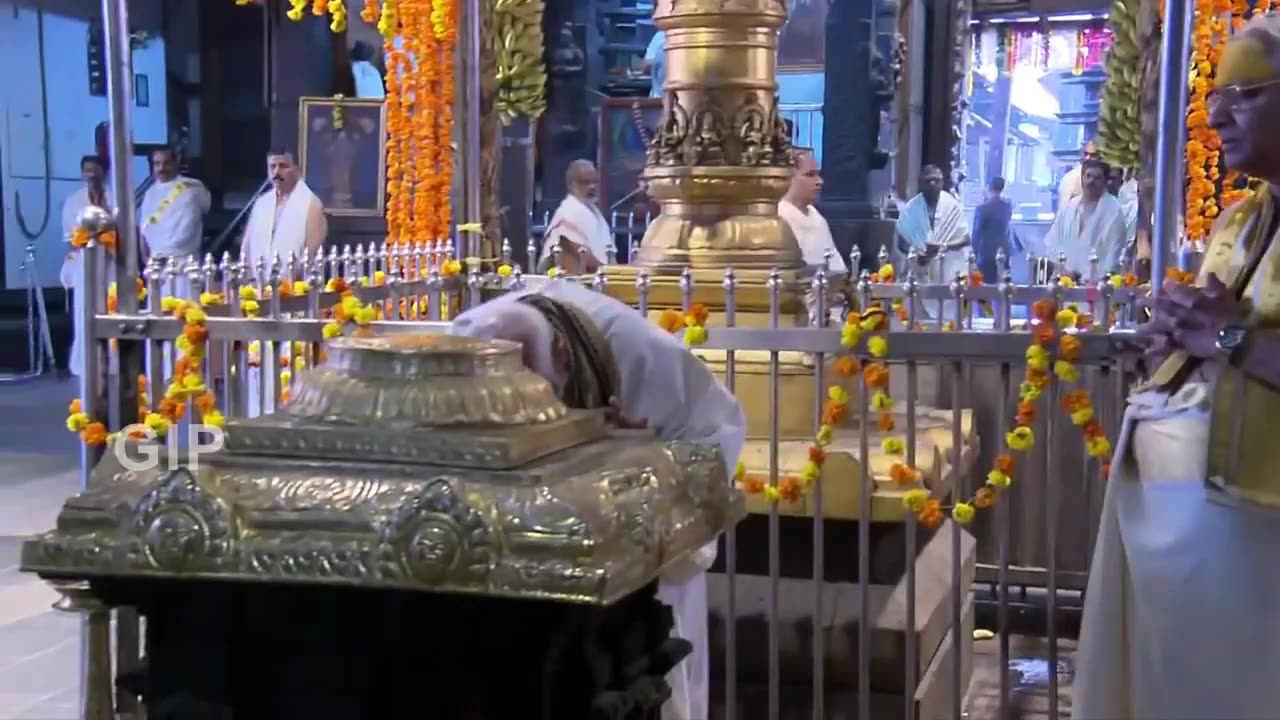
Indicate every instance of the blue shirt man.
{"type": "Point", "coordinates": [993, 230]}
{"type": "Point", "coordinates": [655, 61]}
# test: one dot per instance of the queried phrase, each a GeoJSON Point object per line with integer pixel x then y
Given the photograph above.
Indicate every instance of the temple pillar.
{"type": "Point", "coordinates": [946, 58]}
{"type": "Point", "coordinates": [857, 86]}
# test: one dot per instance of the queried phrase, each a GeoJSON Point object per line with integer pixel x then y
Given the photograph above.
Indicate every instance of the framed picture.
{"type": "Point", "coordinates": [626, 126]}
{"type": "Point", "coordinates": [342, 154]}
{"type": "Point", "coordinates": [802, 43]}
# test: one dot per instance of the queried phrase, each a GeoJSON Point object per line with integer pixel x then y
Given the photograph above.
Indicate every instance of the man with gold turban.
{"type": "Point", "coordinates": [599, 353]}
{"type": "Point", "coordinates": [1182, 617]}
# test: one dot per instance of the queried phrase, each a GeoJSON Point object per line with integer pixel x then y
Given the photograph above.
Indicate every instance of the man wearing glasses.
{"type": "Point", "coordinates": [1180, 619]}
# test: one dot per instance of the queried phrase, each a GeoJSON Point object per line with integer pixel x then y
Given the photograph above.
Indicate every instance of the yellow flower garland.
{"type": "Point", "coordinates": [1049, 330]}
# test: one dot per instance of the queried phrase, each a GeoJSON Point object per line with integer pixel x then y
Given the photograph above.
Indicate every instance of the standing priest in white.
{"type": "Point", "coordinates": [933, 224]}
{"type": "Point", "coordinates": [808, 225]}
{"type": "Point", "coordinates": [172, 216]}
{"type": "Point", "coordinates": [93, 170]}
{"type": "Point", "coordinates": [578, 224]}
{"type": "Point", "coordinates": [1091, 223]}
{"type": "Point", "coordinates": [597, 353]}
{"type": "Point", "coordinates": [288, 218]}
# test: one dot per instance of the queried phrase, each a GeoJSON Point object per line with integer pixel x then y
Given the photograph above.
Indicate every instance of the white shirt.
{"type": "Point", "coordinates": [813, 234]}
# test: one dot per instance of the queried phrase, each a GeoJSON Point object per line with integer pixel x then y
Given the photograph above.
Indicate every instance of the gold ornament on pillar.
{"type": "Point", "coordinates": [721, 158]}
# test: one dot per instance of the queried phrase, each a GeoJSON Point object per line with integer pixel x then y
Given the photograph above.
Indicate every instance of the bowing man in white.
{"type": "Point", "coordinates": [578, 223]}
{"type": "Point", "coordinates": [598, 352]}
{"type": "Point", "coordinates": [172, 215]}
{"type": "Point", "coordinates": [289, 218]}
{"type": "Point", "coordinates": [1092, 223]}
{"type": "Point", "coordinates": [933, 224]}
{"type": "Point", "coordinates": [93, 170]}
{"type": "Point", "coordinates": [808, 225]}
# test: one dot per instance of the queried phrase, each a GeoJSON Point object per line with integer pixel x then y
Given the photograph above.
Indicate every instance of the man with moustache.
{"type": "Point", "coordinates": [1072, 184]}
{"type": "Point", "coordinates": [1180, 620]}
{"type": "Point", "coordinates": [172, 215]}
{"type": "Point", "coordinates": [94, 192]}
{"type": "Point", "coordinates": [933, 224]}
{"type": "Point", "coordinates": [1091, 223]}
{"type": "Point", "coordinates": [288, 218]}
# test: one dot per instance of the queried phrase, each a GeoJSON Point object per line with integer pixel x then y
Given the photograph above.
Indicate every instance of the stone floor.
{"type": "Point", "coordinates": [40, 648]}
{"type": "Point", "coordinates": [1028, 680]}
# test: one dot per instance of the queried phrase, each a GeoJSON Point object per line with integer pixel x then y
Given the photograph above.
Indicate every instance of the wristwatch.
{"type": "Point", "coordinates": [1232, 340]}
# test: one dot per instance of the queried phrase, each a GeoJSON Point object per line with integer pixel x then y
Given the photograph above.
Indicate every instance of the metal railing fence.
{"type": "Point", "coordinates": [961, 350]}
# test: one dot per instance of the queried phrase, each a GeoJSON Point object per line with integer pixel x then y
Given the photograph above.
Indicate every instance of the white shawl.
{"type": "Point", "coordinates": [813, 234]}
{"type": "Point", "coordinates": [264, 239]}
{"type": "Point", "coordinates": [172, 219]}
{"type": "Point", "coordinates": [581, 223]}
{"type": "Point", "coordinates": [1103, 233]}
{"type": "Point", "coordinates": [949, 224]}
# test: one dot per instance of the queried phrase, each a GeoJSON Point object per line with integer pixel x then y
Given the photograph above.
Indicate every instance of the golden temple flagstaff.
{"type": "Point", "coordinates": [721, 159]}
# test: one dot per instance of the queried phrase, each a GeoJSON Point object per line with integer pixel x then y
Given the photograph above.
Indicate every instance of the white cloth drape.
{"type": "Point", "coordinates": [583, 224]}
{"type": "Point", "coordinates": [947, 225]}
{"type": "Point", "coordinates": [301, 224]}
{"type": "Point", "coordinates": [1180, 620]}
{"type": "Point", "coordinates": [668, 387]}
{"type": "Point", "coordinates": [1103, 233]}
{"type": "Point", "coordinates": [175, 229]}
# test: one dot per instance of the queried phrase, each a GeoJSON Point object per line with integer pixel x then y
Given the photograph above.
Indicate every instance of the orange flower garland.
{"type": "Point", "coordinates": [1207, 192]}
{"type": "Point", "coordinates": [419, 100]}
{"type": "Point", "coordinates": [186, 384]}
{"type": "Point", "coordinates": [444, 25]}
{"type": "Point", "coordinates": [693, 322]}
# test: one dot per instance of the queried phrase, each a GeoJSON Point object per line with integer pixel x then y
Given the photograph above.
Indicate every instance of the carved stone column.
{"type": "Point", "coordinates": [858, 84]}
{"type": "Point", "coordinates": [722, 157]}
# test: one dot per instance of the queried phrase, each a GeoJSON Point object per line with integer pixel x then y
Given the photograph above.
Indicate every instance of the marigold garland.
{"type": "Point", "coordinates": [80, 238]}
{"type": "Point", "coordinates": [348, 311]}
{"type": "Point", "coordinates": [1053, 352]}
{"type": "Point", "coordinates": [187, 384]}
{"type": "Point", "coordinates": [420, 90]}
{"type": "Point", "coordinates": [1208, 192]}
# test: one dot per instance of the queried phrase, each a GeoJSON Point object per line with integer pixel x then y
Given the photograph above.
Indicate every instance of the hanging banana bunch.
{"type": "Point", "coordinates": [522, 76]}
{"type": "Point", "coordinates": [1119, 128]}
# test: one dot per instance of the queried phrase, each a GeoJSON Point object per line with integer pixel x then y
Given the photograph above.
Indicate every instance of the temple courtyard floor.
{"type": "Point", "coordinates": [40, 647]}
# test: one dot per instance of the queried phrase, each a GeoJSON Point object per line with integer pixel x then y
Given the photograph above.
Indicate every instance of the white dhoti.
{"type": "Point", "coordinates": [263, 388]}
{"type": "Point", "coordinates": [690, 680]}
{"type": "Point", "coordinates": [1180, 618]}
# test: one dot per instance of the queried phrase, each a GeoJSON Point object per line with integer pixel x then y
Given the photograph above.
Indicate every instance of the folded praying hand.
{"type": "Point", "coordinates": [1189, 318]}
